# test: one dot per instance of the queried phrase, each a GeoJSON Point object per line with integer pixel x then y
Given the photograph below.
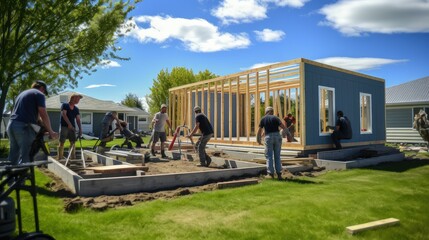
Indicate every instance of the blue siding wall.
{"type": "Point", "coordinates": [212, 112]}
{"type": "Point", "coordinates": [347, 89]}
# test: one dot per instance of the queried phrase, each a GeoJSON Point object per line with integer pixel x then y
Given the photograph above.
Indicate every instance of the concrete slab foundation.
{"type": "Point", "coordinates": [96, 186]}
{"type": "Point", "coordinates": [349, 158]}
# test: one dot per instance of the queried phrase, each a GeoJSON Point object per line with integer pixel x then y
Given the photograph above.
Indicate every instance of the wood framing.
{"type": "Point", "coordinates": [236, 103]}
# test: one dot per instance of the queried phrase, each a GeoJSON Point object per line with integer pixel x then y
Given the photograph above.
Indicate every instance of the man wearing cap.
{"type": "Point", "coordinates": [273, 141]}
{"type": "Point", "coordinates": [69, 115]}
{"type": "Point", "coordinates": [158, 124]}
{"type": "Point", "coordinates": [203, 124]}
{"type": "Point", "coordinates": [29, 106]}
{"type": "Point", "coordinates": [343, 130]}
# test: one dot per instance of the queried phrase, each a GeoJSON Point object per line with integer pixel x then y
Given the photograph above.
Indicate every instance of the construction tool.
{"type": "Point", "coordinates": [81, 152]}
{"type": "Point", "coordinates": [176, 133]}
{"type": "Point", "coordinates": [72, 148]}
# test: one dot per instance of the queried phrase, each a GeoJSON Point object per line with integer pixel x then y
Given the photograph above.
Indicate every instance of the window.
{"type": "Point", "coordinates": [142, 119]}
{"type": "Point", "coordinates": [326, 110]}
{"type": "Point", "coordinates": [365, 113]}
{"type": "Point", "coordinates": [85, 118]}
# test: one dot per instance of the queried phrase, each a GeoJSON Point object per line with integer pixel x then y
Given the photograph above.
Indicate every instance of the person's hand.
{"type": "Point", "coordinates": [53, 135]}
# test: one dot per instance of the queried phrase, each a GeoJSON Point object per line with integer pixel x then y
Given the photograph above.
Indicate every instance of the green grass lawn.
{"type": "Point", "coordinates": [307, 208]}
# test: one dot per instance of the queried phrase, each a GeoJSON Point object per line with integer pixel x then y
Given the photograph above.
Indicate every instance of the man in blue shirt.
{"type": "Point", "coordinates": [69, 115]}
{"type": "Point", "coordinates": [273, 141]}
{"type": "Point", "coordinates": [29, 106]}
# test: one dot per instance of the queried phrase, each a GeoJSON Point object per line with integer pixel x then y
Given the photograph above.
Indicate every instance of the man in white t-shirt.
{"type": "Point", "coordinates": [158, 124]}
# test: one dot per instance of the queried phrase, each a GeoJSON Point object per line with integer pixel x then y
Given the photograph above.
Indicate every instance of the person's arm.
{"type": "Point", "coordinates": [64, 115]}
{"type": "Point", "coordinates": [46, 122]}
{"type": "Point", "coordinates": [169, 125]}
{"type": "Point", "coordinates": [197, 126]}
{"type": "Point", "coordinates": [118, 123]}
{"type": "Point", "coordinates": [258, 136]}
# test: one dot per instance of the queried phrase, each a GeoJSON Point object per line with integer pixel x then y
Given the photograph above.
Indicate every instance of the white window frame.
{"type": "Point", "coordinates": [333, 114]}
{"type": "Point", "coordinates": [369, 131]}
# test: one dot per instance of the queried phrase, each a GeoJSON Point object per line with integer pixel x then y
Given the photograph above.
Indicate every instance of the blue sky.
{"type": "Point", "coordinates": [384, 38]}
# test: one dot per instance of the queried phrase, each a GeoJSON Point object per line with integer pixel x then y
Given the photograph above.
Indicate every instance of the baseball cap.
{"type": "Point", "coordinates": [163, 105]}
{"type": "Point", "coordinates": [197, 108]}
{"type": "Point", "coordinates": [76, 95]}
{"type": "Point", "coordinates": [268, 109]}
{"type": "Point", "coordinates": [40, 83]}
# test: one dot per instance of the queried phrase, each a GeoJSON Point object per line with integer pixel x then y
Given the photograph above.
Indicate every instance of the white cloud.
{"type": "Point", "coordinates": [100, 85]}
{"type": "Point", "coordinates": [354, 18]}
{"type": "Point", "coordinates": [357, 64]}
{"type": "Point", "coordinates": [238, 11]}
{"type": "Point", "coordinates": [197, 35]}
{"type": "Point", "coordinates": [105, 64]}
{"type": "Point", "coordinates": [268, 35]}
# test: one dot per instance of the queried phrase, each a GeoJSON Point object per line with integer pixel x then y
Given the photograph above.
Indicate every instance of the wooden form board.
{"type": "Point", "coordinates": [371, 225]}
{"type": "Point", "coordinates": [116, 168]}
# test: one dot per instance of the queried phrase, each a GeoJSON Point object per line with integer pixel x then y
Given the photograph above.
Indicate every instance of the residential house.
{"type": "Point", "coordinates": [92, 111]}
{"type": "Point", "coordinates": [402, 103]}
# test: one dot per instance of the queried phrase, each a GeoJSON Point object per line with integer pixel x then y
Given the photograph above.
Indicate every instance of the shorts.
{"type": "Point", "coordinates": [66, 133]}
{"type": "Point", "coordinates": [159, 135]}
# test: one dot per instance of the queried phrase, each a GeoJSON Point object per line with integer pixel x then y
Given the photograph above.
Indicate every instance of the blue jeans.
{"type": "Point", "coordinates": [21, 136]}
{"type": "Point", "coordinates": [273, 145]}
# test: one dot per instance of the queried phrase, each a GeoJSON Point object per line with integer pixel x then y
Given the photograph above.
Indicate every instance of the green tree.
{"type": "Point", "coordinates": [132, 100]}
{"type": "Point", "coordinates": [56, 41]}
{"type": "Point", "coordinates": [166, 80]}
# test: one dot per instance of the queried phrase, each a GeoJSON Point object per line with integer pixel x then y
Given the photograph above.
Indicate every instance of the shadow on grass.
{"type": "Point", "coordinates": [400, 166]}
{"type": "Point", "coordinates": [61, 193]}
{"type": "Point", "coordinates": [300, 181]}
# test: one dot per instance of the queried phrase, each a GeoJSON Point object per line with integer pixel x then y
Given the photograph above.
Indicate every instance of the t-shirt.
{"type": "Point", "coordinates": [289, 121]}
{"type": "Point", "coordinates": [108, 119]}
{"type": "Point", "coordinates": [345, 127]}
{"type": "Point", "coordinates": [71, 114]}
{"type": "Point", "coordinates": [27, 105]}
{"type": "Point", "coordinates": [270, 123]}
{"type": "Point", "coordinates": [160, 124]}
{"type": "Point", "coordinates": [205, 126]}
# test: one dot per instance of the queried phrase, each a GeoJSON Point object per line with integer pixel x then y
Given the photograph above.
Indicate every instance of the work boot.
{"type": "Point", "coordinates": [279, 176]}
{"type": "Point", "coordinates": [208, 160]}
{"type": "Point", "coordinates": [163, 154]}
{"type": "Point", "coordinates": [60, 154]}
{"type": "Point", "coordinates": [152, 151]}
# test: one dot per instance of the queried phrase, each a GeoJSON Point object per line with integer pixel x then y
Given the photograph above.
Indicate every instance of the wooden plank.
{"type": "Point", "coordinates": [117, 168]}
{"type": "Point", "coordinates": [372, 225]}
{"type": "Point", "coordinates": [215, 110]}
{"type": "Point", "coordinates": [237, 183]}
{"type": "Point", "coordinates": [230, 111]}
{"type": "Point", "coordinates": [248, 112]}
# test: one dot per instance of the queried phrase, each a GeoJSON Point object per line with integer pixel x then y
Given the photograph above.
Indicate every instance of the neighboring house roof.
{"type": "Point", "coordinates": [87, 103]}
{"type": "Point", "coordinates": [413, 92]}
{"type": "Point", "coordinates": [139, 112]}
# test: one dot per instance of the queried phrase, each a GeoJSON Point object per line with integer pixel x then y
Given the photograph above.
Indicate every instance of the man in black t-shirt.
{"type": "Point", "coordinates": [343, 130]}
{"type": "Point", "coordinates": [273, 141]}
{"type": "Point", "coordinates": [69, 115]}
{"type": "Point", "coordinates": [203, 124]}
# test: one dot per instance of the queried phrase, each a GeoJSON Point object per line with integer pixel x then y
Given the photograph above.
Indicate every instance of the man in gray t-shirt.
{"type": "Point", "coordinates": [158, 124]}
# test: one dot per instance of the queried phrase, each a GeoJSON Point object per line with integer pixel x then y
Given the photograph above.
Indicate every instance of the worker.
{"type": "Point", "coordinates": [69, 116]}
{"type": "Point", "coordinates": [203, 124]}
{"type": "Point", "coordinates": [343, 130]}
{"type": "Point", "coordinates": [158, 124]}
{"type": "Point", "coordinates": [106, 135]}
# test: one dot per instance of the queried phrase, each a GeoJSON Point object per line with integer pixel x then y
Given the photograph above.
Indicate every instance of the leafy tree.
{"type": "Point", "coordinates": [132, 100]}
{"type": "Point", "coordinates": [56, 41]}
{"type": "Point", "coordinates": [165, 80]}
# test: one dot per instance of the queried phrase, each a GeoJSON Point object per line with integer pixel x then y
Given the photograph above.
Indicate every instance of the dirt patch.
{"type": "Point", "coordinates": [73, 203]}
